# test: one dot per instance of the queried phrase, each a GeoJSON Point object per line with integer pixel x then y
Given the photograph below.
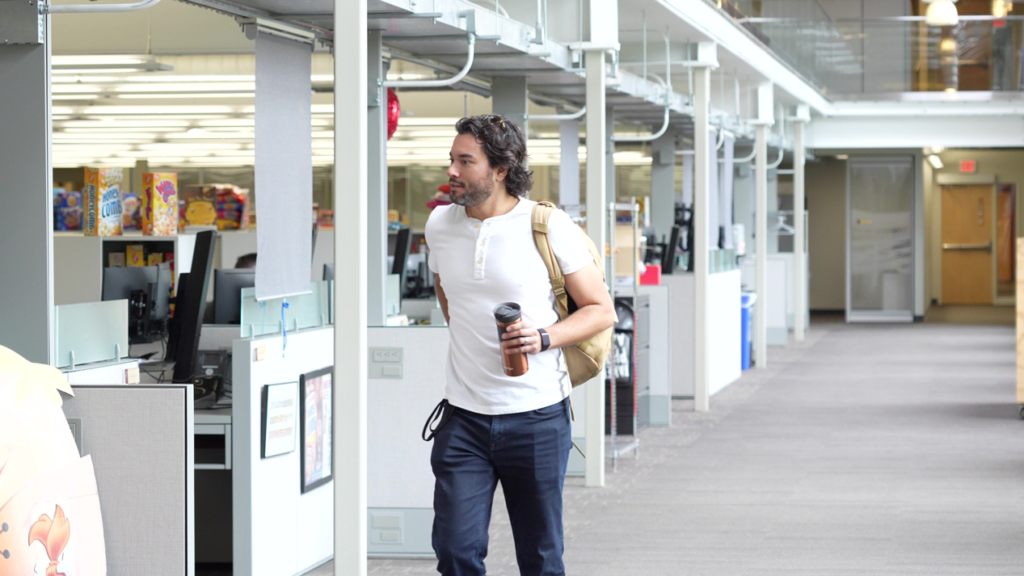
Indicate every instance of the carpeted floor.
{"type": "Point", "coordinates": [867, 449]}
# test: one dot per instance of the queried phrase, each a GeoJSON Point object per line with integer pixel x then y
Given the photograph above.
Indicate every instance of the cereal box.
{"type": "Point", "coordinates": [67, 210]}
{"type": "Point", "coordinates": [102, 199]}
{"type": "Point", "coordinates": [200, 208]}
{"type": "Point", "coordinates": [135, 254]}
{"type": "Point", "coordinates": [154, 259]}
{"type": "Point", "coordinates": [131, 215]}
{"type": "Point", "coordinates": [232, 207]}
{"type": "Point", "coordinates": [160, 204]}
{"type": "Point", "coordinates": [116, 259]}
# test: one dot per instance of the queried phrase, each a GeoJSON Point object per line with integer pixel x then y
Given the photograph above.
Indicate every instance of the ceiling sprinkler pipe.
{"type": "Point", "coordinates": [648, 138]}
{"type": "Point", "coordinates": [94, 8]}
{"type": "Point", "coordinates": [573, 116]}
{"type": "Point", "coordinates": [443, 82]}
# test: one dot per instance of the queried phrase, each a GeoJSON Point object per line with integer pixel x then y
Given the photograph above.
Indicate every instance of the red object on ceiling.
{"type": "Point", "coordinates": [968, 166]}
{"type": "Point", "coordinates": [393, 111]}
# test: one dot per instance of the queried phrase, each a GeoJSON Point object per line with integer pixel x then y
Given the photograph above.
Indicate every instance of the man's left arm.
{"type": "Point", "coordinates": [595, 313]}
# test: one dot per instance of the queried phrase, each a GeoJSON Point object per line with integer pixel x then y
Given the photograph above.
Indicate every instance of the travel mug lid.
{"type": "Point", "coordinates": [507, 312]}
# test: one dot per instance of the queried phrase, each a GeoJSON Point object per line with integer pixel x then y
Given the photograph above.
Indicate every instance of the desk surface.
{"type": "Point", "coordinates": [218, 416]}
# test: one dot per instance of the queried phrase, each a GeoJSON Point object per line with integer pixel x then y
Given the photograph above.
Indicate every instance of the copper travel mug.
{"type": "Point", "coordinates": [507, 314]}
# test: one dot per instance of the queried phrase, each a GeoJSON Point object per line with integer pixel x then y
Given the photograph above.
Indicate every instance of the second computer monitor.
{"type": "Point", "coordinates": [227, 299]}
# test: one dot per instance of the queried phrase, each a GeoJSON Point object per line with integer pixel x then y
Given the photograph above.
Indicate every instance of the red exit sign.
{"type": "Point", "coordinates": [968, 166]}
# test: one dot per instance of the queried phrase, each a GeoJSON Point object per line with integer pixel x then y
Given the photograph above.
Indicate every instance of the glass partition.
{"type": "Point", "coordinates": [91, 332]}
{"type": "Point", "coordinates": [880, 231]}
{"type": "Point", "coordinates": [295, 312]}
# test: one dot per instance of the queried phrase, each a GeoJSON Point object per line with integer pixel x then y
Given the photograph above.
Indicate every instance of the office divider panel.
{"type": "Point", "coordinates": [140, 441]}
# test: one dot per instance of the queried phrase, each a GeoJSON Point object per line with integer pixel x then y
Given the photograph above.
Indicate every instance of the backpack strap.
{"type": "Point", "coordinates": [541, 214]}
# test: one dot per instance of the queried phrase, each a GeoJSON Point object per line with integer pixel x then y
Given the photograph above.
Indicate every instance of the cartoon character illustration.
{"type": "Point", "coordinates": [54, 535]}
{"type": "Point", "coordinates": [45, 485]}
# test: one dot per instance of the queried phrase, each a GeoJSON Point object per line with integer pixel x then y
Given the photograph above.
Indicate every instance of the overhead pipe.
{"type": "Point", "coordinates": [94, 8]}
{"type": "Point", "coordinates": [470, 16]}
{"type": "Point", "coordinates": [573, 116]}
{"type": "Point", "coordinates": [668, 97]}
{"type": "Point", "coordinates": [774, 165]}
{"type": "Point", "coordinates": [442, 82]}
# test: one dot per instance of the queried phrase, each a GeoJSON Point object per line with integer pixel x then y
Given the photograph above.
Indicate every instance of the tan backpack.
{"type": "Point", "coordinates": [586, 359]}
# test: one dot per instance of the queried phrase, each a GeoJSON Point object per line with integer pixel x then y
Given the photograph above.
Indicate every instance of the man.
{"type": "Point", "coordinates": [515, 430]}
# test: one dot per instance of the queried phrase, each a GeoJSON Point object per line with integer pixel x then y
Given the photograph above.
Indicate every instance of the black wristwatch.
{"type": "Point", "coordinates": [545, 340]}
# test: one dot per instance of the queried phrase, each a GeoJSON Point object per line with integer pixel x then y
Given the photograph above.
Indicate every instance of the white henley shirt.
{"type": "Point", "coordinates": [485, 263]}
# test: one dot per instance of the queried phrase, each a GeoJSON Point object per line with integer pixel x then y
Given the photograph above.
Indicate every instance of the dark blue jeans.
{"type": "Point", "coordinates": [528, 453]}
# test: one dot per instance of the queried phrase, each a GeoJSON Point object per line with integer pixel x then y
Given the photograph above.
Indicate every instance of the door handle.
{"type": "Point", "coordinates": [966, 247]}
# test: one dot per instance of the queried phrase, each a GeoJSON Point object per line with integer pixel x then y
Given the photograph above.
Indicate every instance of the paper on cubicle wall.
{"type": "Point", "coordinates": [49, 504]}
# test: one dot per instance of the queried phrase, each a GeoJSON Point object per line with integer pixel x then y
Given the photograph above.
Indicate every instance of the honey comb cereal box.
{"type": "Point", "coordinates": [102, 198]}
{"type": "Point", "coordinates": [160, 204]}
{"type": "Point", "coordinates": [135, 255]}
{"type": "Point", "coordinates": [154, 259]}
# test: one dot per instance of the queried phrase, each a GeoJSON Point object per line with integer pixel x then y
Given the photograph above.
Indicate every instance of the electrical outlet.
{"type": "Point", "coordinates": [385, 363]}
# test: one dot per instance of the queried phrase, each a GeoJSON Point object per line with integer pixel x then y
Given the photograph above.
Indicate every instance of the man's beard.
{"type": "Point", "coordinates": [473, 194]}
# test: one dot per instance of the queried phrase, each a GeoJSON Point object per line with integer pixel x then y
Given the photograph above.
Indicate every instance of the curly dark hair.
{"type": "Point", "coordinates": [505, 145]}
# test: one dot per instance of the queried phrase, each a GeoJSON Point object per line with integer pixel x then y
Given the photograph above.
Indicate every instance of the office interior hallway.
{"type": "Point", "coordinates": [867, 449]}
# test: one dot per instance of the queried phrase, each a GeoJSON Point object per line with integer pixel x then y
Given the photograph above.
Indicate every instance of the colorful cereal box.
{"type": "Point", "coordinates": [131, 215]}
{"type": "Point", "coordinates": [67, 210]}
{"type": "Point", "coordinates": [135, 254]}
{"type": "Point", "coordinates": [200, 205]}
{"type": "Point", "coordinates": [115, 260]}
{"type": "Point", "coordinates": [154, 259]}
{"type": "Point", "coordinates": [102, 198]}
{"type": "Point", "coordinates": [232, 207]}
{"type": "Point", "coordinates": [160, 204]}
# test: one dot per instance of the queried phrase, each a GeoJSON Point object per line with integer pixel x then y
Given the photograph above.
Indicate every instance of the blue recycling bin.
{"type": "Point", "coordinates": [747, 300]}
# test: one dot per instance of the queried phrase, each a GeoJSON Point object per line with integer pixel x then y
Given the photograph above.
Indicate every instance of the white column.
{"type": "Point", "coordinates": [702, 151]}
{"type": "Point", "coordinates": [761, 251]}
{"type": "Point", "coordinates": [376, 183]}
{"type": "Point", "coordinates": [799, 256]}
{"type": "Point", "coordinates": [26, 197]}
{"type": "Point", "coordinates": [509, 98]}
{"type": "Point", "coordinates": [765, 118]}
{"type": "Point", "coordinates": [350, 273]}
{"type": "Point", "coordinates": [596, 175]}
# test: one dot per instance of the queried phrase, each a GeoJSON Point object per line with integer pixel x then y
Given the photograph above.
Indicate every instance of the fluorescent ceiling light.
{"type": "Point", "coordinates": [75, 96]}
{"type": "Point", "coordinates": [189, 95]}
{"type": "Point", "coordinates": [935, 161]}
{"type": "Point", "coordinates": [938, 149]}
{"type": "Point", "coordinates": [941, 13]}
{"type": "Point", "coordinates": [842, 157]}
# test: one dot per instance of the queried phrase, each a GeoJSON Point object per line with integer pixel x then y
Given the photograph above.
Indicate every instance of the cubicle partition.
{"type": "Point", "coordinates": [140, 441]}
{"type": "Point", "coordinates": [400, 482]}
{"type": "Point", "coordinates": [277, 528]}
{"type": "Point", "coordinates": [782, 278]}
{"type": "Point", "coordinates": [723, 331]}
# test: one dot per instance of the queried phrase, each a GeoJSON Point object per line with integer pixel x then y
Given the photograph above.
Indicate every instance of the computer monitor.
{"type": "Point", "coordinates": [668, 256]}
{"type": "Point", "coordinates": [119, 283]}
{"type": "Point", "coordinates": [162, 297]}
{"type": "Point", "coordinates": [403, 245]}
{"type": "Point", "coordinates": [227, 293]}
{"type": "Point", "coordinates": [192, 302]}
{"type": "Point", "coordinates": [329, 272]}
{"type": "Point", "coordinates": [147, 290]}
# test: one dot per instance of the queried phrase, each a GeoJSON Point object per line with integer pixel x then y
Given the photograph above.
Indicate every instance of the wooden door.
{"type": "Point", "coordinates": [968, 222]}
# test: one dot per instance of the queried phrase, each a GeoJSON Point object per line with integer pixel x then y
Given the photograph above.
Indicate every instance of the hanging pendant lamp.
{"type": "Point", "coordinates": [941, 13]}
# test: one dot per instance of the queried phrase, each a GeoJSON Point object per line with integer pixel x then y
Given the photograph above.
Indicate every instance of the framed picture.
{"type": "Point", "coordinates": [278, 423]}
{"type": "Point", "coordinates": [316, 419]}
